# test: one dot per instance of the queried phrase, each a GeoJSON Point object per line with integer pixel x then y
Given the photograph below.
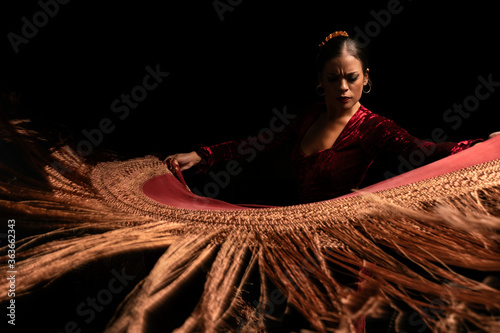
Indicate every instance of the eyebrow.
{"type": "Point", "coordinates": [351, 73]}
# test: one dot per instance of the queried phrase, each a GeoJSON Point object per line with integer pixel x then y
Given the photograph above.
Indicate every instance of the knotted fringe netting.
{"type": "Point", "coordinates": [247, 270]}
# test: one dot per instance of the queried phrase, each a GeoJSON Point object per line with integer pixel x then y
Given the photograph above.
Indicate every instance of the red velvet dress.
{"type": "Point", "coordinates": [340, 169]}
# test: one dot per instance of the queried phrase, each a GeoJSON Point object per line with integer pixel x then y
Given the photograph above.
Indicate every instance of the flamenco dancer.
{"type": "Point", "coordinates": [335, 142]}
{"type": "Point", "coordinates": [124, 246]}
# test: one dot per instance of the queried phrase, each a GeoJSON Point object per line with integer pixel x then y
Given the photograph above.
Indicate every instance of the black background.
{"type": "Point", "coordinates": [226, 76]}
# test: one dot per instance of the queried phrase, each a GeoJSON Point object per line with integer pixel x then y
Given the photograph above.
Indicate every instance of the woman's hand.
{"type": "Point", "coordinates": [494, 134]}
{"type": "Point", "coordinates": [186, 160]}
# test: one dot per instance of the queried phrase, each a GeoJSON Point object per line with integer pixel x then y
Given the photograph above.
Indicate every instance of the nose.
{"type": "Point", "coordinates": [343, 85]}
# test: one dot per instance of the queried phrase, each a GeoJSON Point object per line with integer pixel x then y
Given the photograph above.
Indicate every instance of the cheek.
{"type": "Point", "coordinates": [357, 88]}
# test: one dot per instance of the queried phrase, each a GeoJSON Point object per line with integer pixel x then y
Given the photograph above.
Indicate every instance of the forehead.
{"type": "Point", "coordinates": [344, 63]}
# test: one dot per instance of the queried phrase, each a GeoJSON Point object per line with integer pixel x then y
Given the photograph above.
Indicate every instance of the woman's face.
{"type": "Point", "coordinates": [343, 79]}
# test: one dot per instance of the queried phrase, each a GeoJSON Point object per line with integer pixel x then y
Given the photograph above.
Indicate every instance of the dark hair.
{"type": "Point", "coordinates": [333, 48]}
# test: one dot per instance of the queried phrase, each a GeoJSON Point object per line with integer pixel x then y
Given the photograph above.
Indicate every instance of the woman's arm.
{"type": "Point", "coordinates": [384, 135]}
{"type": "Point", "coordinates": [282, 128]}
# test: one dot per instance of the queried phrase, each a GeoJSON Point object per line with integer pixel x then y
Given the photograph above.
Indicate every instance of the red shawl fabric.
{"type": "Point", "coordinates": [171, 189]}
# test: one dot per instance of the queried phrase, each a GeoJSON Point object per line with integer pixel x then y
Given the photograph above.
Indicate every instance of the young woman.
{"type": "Point", "coordinates": [337, 141]}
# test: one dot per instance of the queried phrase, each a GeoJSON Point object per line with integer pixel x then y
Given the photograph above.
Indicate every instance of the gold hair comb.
{"type": "Point", "coordinates": [333, 35]}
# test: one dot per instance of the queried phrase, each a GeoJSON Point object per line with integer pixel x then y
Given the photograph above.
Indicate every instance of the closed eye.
{"type": "Point", "coordinates": [350, 77]}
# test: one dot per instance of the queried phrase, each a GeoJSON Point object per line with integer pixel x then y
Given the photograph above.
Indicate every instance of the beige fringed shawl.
{"type": "Point", "coordinates": [247, 269]}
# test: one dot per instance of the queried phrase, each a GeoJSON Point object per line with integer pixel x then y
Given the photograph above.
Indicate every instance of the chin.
{"type": "Point", "coordinates": [347, 106]}
{"type": "Point", "coordinates": [343, 106]}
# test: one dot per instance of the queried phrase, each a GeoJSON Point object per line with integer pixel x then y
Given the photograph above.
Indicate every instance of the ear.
{"type": "Point", "coordinates": [320, 78]}
{"type": "Point", "coordinates": [366, 77]}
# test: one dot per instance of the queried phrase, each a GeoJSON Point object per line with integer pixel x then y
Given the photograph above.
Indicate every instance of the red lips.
{"type": "Point", "coordinates": [344, 99]}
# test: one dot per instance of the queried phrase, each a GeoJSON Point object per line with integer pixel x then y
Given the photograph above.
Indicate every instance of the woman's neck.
{"type": "Point", "coordinates": [334, 115]}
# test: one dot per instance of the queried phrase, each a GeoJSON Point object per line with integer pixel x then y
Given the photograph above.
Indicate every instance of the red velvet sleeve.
{"type": "Point", "coordinates": [282, 128]}
{"type": "Point", "coordinates": [379, 134]}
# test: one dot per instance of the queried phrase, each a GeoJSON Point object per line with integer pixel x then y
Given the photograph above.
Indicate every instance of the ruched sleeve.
{"type": "Point", "coordinates": [282, 128]}
{"type": "Point", "coordinates": [380, 134]}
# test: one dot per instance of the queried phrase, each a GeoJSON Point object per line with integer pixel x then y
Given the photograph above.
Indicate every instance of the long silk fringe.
{"type": "Point", "coordinates": [407, 240]}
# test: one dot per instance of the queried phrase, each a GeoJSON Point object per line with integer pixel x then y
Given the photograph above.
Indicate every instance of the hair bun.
{"type": "Point", "coordinates": [333, 35]}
